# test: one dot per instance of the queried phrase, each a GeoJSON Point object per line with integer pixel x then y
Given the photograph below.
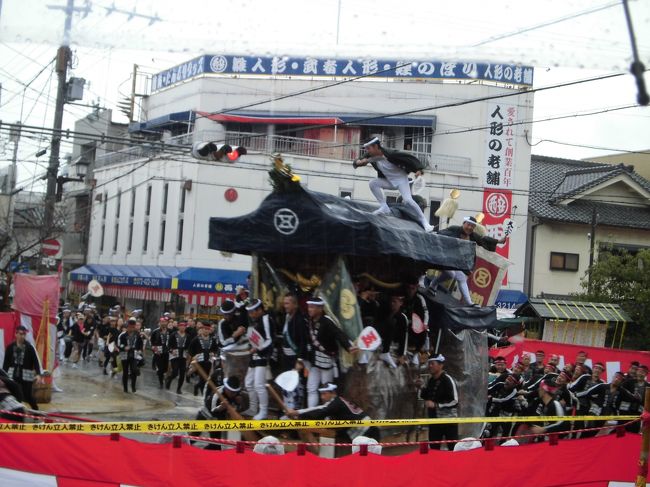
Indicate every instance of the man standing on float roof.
{"type": "Point", "coordinates": [389, 176]}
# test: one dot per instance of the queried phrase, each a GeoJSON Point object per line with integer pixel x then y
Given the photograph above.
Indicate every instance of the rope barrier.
{"type": "Point", "coordinates": [251, 425]}
{"type": "Point", "coordinates": [485, 441]}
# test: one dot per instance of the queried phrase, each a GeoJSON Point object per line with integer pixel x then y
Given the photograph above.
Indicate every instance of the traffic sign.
{"type": "Point", "coordinates": [51, 247]}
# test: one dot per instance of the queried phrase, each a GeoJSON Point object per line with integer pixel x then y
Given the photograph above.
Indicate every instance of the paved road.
{"type": "Point", "coordinates": [90, 394]}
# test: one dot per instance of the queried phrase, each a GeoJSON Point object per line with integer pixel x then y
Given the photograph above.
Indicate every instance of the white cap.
{"type": "Point", "coordinates": [269, 445]}
{"type": "Point", "coordinates": [467, 444]}
{"type": "Point", "coordinates": [470, 219]}
{"type": "Point", "coordinates": [510, 442]}
{"type": "Point", "coordinates": [373, 445]}
{"type": "Point", "coordinates": [254, 305]}
{"type": "Point", "coordinates": [374, 140]}
{"type": "Point", "coordinates": [316, 302]}
{"type": "Point", "coordinates": [438, 358]}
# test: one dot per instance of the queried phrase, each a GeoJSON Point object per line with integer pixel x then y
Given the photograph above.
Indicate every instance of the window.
{"type": "Point", "coordinates": [101, 242]}
{"type": "Point", "coordinates": [129, 245]}
{"type": "Point", "coordinates": [148, 206]}
{"type": "Point", "coordinates": [118, 206]}
{"type": "Point", "coordinates": [345, 194]}
{"type": "Point", "coordinates": [183, 195]}
{"type": "Point", "coordinates": [391, 199]}
{"type": "Point", "coordinates": [564, 262]}
{"type": "Point", "coordinates": [433, 207]}
{"type": "Point", "coordinates": [181, 220]}
{"type": "Point", "coordinates": [105, 199]}
{"type": "Point", "coordinates": [162, 236]}
{"type": "Point", "coordinates": [115, 238]}
{"type": "Point", "coordinates": [147, 212]}
{"type": "Point", "coordinates": [179, 244]}
{"type": "Point", "coordinates": [145, 241]}
{"type": "Point", "coordinates": [165, 195]}
{"type": "Point", "coordinates": [132, 212]}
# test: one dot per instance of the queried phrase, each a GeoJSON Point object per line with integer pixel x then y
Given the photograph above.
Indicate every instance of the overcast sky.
{"type": "Point", "coordinates": [564, 40]}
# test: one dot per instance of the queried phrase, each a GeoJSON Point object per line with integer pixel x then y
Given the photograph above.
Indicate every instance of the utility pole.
{"type": "Point", "coordinates": [592, 246]}
{"type": "Point", "coordinates": [63, 57]}
{"type": "Point", "coordinates": [14, 136]}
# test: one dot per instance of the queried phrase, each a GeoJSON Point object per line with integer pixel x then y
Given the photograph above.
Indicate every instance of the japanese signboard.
{"type": "Point", "coordinates": [500, 146]}
{"type": "Point", "coordinates": [309, 66]}
{"type": "Point", "coordinates": [497, 207]}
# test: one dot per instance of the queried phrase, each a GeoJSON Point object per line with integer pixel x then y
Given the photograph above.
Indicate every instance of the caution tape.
{"type": "Point", "coordinates": [272, 424]}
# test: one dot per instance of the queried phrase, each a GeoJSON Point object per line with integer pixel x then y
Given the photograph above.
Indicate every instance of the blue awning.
{"type": "Point", "coordinates": [210, 280]}
{"type": "Point", "coordinates": [127, 275]}
{"type": "Point", "coordinates": [510, 299]}
{"type": "Point", "coordinates": [164, 277]}
{"type": "Point", "coordinates": [159, 123]}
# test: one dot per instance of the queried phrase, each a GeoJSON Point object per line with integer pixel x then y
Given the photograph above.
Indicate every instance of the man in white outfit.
{"type": "Point", "coordinates": [390, 176]}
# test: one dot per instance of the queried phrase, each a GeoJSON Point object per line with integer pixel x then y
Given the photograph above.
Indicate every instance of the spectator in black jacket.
{"type": "Point", "coordinates": [441, 400]}
{"type": "Point", "coordinates": [22, 365]}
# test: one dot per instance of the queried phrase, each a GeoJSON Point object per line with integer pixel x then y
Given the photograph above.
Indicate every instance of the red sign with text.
{"type": "Point", "coordinates": [497, 207]}
{"type": "Point", "coordinates": [482, 281]}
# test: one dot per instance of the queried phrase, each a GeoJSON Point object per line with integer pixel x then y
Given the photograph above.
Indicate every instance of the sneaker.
{"type": "Point", "coordinates": [428, 228]}
{"type": "Point", "coordinates": [74, 366]}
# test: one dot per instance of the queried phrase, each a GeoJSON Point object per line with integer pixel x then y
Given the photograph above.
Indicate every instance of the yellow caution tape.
{"type": "Point", "coordinates": [272, 424]}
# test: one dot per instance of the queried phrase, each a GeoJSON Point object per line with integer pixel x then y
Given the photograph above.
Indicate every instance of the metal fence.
{"type": "Point", "coordinates": [261, 142]}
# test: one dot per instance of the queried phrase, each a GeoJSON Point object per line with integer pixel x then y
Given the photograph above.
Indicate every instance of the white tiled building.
{"type": "Point", "coordinates": [151, 208]}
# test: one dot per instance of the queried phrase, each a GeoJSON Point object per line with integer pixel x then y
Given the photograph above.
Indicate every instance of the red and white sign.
{"type": "Point", "coordinates": [51, 247]}
{"type": "Point", "coordinates": [484, 283]}
{"type": "Point", "coordinates": [254, 337]}
{"type": "Point", "coordinates": [497, 207]}
{"type": "Point", "coordinates": [369, 339]}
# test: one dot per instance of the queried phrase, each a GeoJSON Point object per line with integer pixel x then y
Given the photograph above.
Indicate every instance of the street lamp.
{"type": "Point", "coordinates": [82, 170]}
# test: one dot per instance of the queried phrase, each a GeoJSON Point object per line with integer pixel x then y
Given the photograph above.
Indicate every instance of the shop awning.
{"type": "Point", "coordinates": [159, 123]}
{"type": "Point", "coordinates": [510, 299]}
{"type": "Point", "coordinates": [268, 118]}
{"type": "Point", "coordinates": [157, 283]}
{"type": "Point", "coordinates": [551, 309]}
{"type": "Point", "coordinates": [202, 279]}
{"type": "Point", "coordinates": [127, 275]}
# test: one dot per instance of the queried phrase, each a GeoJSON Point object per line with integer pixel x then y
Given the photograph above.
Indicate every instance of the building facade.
{"type": "Point", "coordinates": [151, 208]}
{"type": "Point", "coordinates": [578, 209]}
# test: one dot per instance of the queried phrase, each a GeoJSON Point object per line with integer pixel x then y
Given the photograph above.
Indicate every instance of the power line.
{"type": "Point", "coordinates": [546, 24]}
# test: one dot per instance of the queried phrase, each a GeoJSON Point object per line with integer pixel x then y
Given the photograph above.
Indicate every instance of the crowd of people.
{"type": "Point", "coordinates": [540, 387]}
{"type": "Point", "coordinates": [190, 356]}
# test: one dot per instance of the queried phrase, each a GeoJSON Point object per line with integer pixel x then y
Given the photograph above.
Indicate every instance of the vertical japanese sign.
{"type": "Point", "coordinates": [499, 173]}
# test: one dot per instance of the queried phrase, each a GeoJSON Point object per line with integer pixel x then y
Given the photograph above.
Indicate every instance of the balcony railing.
{"type": "Point", "coordinates": [261, 142]}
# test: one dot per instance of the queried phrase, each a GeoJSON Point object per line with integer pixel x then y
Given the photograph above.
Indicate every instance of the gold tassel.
{"type": "Point", "coordinates": [449, 205]}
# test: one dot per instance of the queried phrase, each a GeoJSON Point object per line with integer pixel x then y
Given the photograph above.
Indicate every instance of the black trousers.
{"type": "Point", "coordinates": [28, 396]}
{"type": "Point", "coordinates": [87, 349]}
{"type": "Point", "coordinates": [129, 369]}
{"type": "Point", "coordinates": [179, 367]}
{"type": "Point", "coordinates": [287, 362]}
{"type": "Point", "coordinates": [161, 362]}
{"type": "Point", "coordinates": [438, 432]}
